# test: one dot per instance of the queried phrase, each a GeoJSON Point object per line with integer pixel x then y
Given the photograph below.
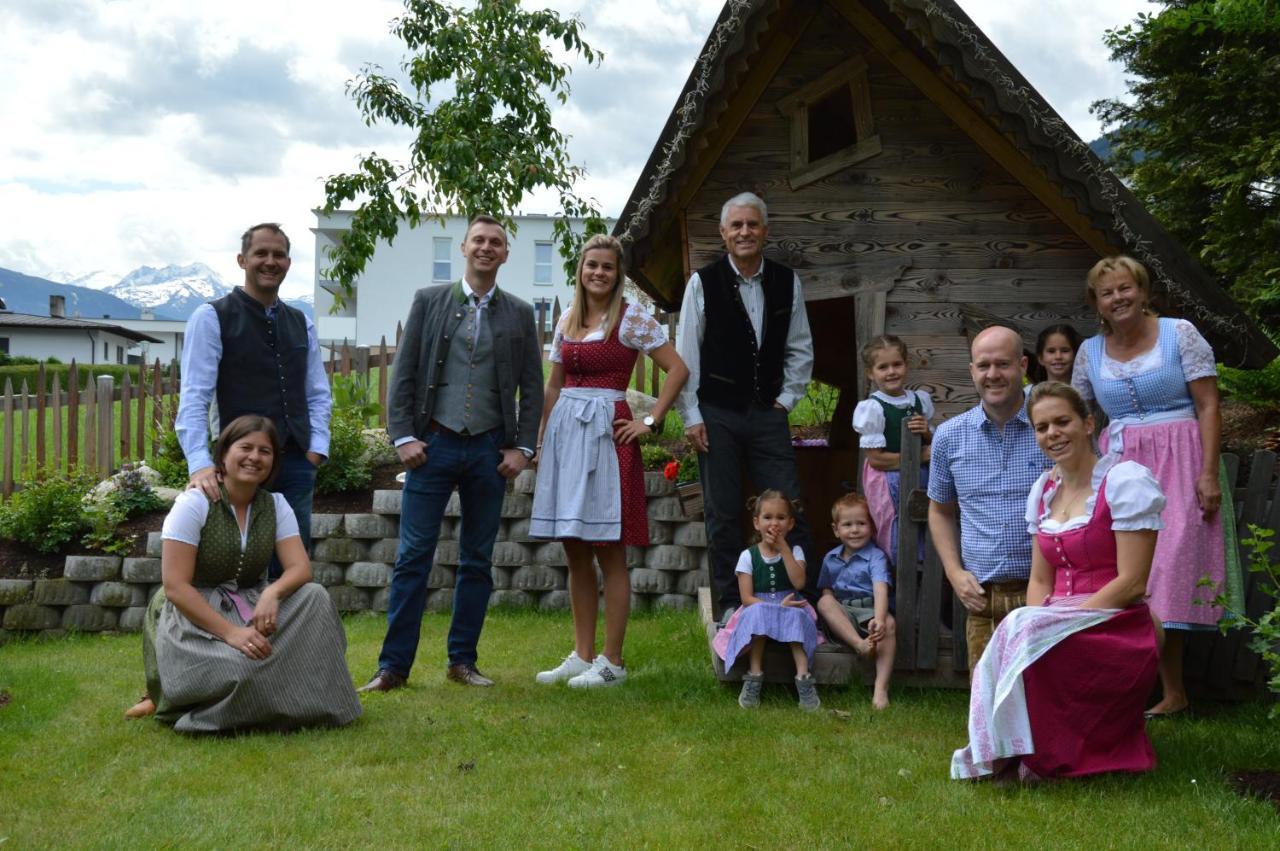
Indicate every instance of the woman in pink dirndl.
{"type": "Point", "coordinates": [1156, 381]}
{"type": "Point", "coordinates": [1060, 689]}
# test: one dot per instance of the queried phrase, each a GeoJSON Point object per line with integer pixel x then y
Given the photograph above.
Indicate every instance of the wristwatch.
{"type": "Point", "coordinates": [528, 454]}
{"type": "Point", "coordinates": [650, 422]}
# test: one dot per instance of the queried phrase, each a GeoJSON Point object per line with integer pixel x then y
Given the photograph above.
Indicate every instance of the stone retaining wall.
{"type": "Point", "coordinates": [353, 557]}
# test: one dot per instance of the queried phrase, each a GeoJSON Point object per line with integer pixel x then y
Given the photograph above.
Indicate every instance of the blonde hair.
{"type": "Point", "coordinates": [848, 501]}
{"type": "Point", "coordinates": [1118, 263]}
{"type": "Point", "coordinates": [576, 321]}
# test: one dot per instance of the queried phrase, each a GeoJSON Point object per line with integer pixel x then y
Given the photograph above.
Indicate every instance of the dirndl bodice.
{"type": "Point", "coordinates": [1083, 558]}
{"type": "Point", "coordinates": [603, 363]}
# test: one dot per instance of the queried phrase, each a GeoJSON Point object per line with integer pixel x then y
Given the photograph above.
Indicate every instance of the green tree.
{"type": "Point", "coordinates": [1198, 139]}
{"type": "Point", "coordinates": [481, 148]}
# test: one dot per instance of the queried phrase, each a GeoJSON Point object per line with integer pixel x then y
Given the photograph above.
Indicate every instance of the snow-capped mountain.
{"type": "Point", "coordinates": [171, 291]}
{"type": "Point", "coordinates": [98, 279]}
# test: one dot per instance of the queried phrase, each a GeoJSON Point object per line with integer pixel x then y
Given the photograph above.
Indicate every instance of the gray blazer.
{"type": "Point", "coordinates": [434, 317]}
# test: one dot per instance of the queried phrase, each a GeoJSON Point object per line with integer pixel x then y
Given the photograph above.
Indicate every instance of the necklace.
{"type": "Point", "coordinates": [1069, 503]}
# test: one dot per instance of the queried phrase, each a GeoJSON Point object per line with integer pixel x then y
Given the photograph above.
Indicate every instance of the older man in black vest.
{"type": "Point", "coordinates": [463, 410]}
{"type": "Point", "coordinates": [255, 354]}
{"type": "Point", "coordinates": [745, 337]}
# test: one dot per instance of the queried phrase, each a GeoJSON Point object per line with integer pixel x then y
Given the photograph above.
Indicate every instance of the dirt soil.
{"type": "Point", "coordinates": [1258, 784]}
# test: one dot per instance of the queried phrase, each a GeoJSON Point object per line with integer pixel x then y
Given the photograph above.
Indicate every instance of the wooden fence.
{"type": "Point", "coordinates": [78, 428]}
{"type": "Point", "coordinates": [62, 429]}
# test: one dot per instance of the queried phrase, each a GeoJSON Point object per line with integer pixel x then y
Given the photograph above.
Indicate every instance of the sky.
{"type": "Point", "coordinates": [153, 132]}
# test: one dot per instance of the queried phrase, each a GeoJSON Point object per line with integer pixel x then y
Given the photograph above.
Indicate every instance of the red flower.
{"type": "Point", "coordinates": [671, 471]}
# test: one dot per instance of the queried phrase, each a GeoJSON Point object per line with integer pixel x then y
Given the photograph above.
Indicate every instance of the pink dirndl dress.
{"type": "Point", "coordinates": [1060, 688]}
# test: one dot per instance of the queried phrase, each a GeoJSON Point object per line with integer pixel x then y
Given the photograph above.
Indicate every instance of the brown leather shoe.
{"type": "Point", "coordinates": [384, 680]}
{"type": "Point", "coordinates": [467, 675]}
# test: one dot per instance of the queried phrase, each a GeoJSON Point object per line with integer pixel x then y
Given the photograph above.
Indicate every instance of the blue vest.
{"type": "Point", "coordinates": [1161, 390]}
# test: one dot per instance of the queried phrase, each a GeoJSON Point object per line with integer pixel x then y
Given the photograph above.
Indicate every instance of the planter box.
{"type": "Point", "coordinates": [690, 496]}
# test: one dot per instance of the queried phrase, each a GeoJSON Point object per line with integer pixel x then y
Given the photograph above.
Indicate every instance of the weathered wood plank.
{"type": "Point", "coordinates": [41, 403]}
{"type": "Point", "coordinates": [930, 606]}
{"type": "Point", "coordinates": [126, 414]}
{"type": "Point", "coordinates": [6, 487]}
{"type": "Point", "coordinates": [90, 425]}
{"type": "Point", "coordinates": [106, 426]}
{"type": "Point", "coordinates": [141, 426]}
{"type": "Point", "coordinates": [909, 613]}
{"type": "Point", "coordinates": [56, 413]}
{"type": "Point", "coordinates": [943, 318]}
{"type": "Point", "coordinates": [383, 374]}
{"type": "Point", "coordinates": [869, 321]}
{"type": "Point", "coordinates": [73, 416]}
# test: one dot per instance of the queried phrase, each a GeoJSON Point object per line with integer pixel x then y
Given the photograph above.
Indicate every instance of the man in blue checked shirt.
{"type": "Point", "coordinates": [255, 354]}
{"type": "Point", "coordinates": [984, 463]}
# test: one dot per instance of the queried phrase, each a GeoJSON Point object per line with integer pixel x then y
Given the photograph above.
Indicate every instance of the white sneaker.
{"type": "Point", "coordinates": [602, 674]}
{"type": "Point", "coordinates": [571, 667]}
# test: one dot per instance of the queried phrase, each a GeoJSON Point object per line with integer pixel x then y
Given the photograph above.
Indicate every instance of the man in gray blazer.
{"type": "Point", "coordinates": [463, 411]}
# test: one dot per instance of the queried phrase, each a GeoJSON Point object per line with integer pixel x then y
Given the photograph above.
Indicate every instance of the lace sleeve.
{"type": "Point", "coordinates": [1080, 375]}
{"type": "Point", "coordinates": [1196, 353]}
{"type": "Point", "coordinates": [640, 331]}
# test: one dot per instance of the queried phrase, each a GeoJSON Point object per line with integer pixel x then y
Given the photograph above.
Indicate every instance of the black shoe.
{"type": "Point", "coordinates": [384, 680]}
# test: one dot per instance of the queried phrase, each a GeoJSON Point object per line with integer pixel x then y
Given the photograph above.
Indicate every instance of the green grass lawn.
{"type": "Point", "coordinates": [668, 760]}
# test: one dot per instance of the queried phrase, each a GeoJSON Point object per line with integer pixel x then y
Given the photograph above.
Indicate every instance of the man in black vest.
{"type": "Point", "coordinates": [745, 337]}
{"type": "Point", "coordinates": [255, 354]}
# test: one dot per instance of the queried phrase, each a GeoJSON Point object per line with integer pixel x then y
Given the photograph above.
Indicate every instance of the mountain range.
{"type": "Point", "coordinates": [169, 292]}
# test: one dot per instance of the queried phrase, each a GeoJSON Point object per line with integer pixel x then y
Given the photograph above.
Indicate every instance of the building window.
{"type": "Point", "coordinates": [441, 264]}
{"type": "Point", "coordinates": [119, 354]}
{"type": "Point", "coordinates": [831, 123]}
{"type": "Point", "coordinates": [106, 351]}
{"type": "Point", "coordinates": [542, 255]}
{"type": "Point", "coordinates": [4, 345]}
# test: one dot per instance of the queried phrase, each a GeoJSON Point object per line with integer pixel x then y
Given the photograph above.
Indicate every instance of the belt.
{"type": "Point", "coordinates": [1008, 585]}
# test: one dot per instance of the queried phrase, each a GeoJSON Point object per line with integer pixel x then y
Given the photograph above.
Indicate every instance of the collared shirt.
{"type": "Point", "coordinates": [988, 471]}
{"type": "Point", "coordinates": [201, 354]}
{"type": "Point", "coordinates": [855, 576]}
{"type": "Point", "coordinates": [797, 358]}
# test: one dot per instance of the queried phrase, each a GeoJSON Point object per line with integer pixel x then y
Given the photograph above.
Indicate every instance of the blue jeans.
{"type": "Point", "coordinates": [296, 482]}
{"type": "Point", "coordinates": [471, 465]}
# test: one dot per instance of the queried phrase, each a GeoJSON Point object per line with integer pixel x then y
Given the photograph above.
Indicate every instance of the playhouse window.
{"type": "Point", "coordinates": [831, 123]}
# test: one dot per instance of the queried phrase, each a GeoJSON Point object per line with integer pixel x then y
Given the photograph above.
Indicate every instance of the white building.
{"type": "Point", "coordinates": [84, 340]}
{"type": "Point", "coordinates": [166, 337]}
{"type": "Point", "coordinates": [421, 257]}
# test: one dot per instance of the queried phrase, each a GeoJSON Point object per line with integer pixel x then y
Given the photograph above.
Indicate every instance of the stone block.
{"type": "Point", "coordinates": [675, 602]}
{"type": "Point", "coordinates": [512, 599]}
{"type": "Point", "coordinates": [30, 616]}
{"type": "Point", "coordinates": [660, 533]}
{"type": "Point", "coordinates": [538, 577]}
{"type": "Point", "coordinates": [656, 484]}
{"type": "Point", "coordinates": [669, 557]}
{"type": "Point", "coordinates": [550, 553]}
{"type": "Point", "coordinates": [635, 557]}
{"type": "Point", "coordinates": [341, 550]}
{"type": "Point", "coordinates": [154, 544]}
{"type": "Point", "coordinates": [14, 591]}
{"type": "Point", "coordinates": [381, 600]}
{"type": "Point", "coordinates": [131, 619]}
{"type": "Point", "coordinates": [348, 598]}
{"type": "Point", "coordinates": [508, 554]}
{"type": "Point", "coordinates": [554, 601]}
{"type": "Point", "coordinates": [518, 530]}
{"type": "Point", "coordinates": [59, 592]}
{"type": "Point", "coordinates": [441, 576]}
{"type": "Point", "coordinates": [517, 505]}
{"type": "Point", "coordinates": [526, 482]}
{"type": "Point", "coordinates": [691, 580]}
{"type": "Point", "coordinates": [327, 573]}
{"type": "Point", "coordinates": [440, 600]}
{"type": "Point", "coordinates": [639, 602]}
{"type": "Point", "coordinates": [704, 561]}
{"type": "Point", "coordinates": [92, 568]}
{"type": "Point", "coordinates": [88, 618]}
{"type": "Point", "coordinates": [387, 502]}
{"type": "Point", "coordinates": [647, 581]}
{"type": "Point", "coordinates": [447, 553]}
{"type": "Point", "coordinates": [448, 529]}
{"type": "Point", "coordinates": [453, 508]}
{"type": "Point", "coordinates": [118, 595]}
{"type": "Point", "coordinates": [384, 550]}
{"type": "Point", "coordinates": [370, 526]}
{"type": "Point", "coordinates": [326, 526]}
{"type": "Point", "coordinates": [692, 534]}
{"type": "Point", "coordinates": [665, 508]}
{"type": "Point", "coordinates": [502, 577]}
{"type": "Point", "coordinates": [144, 571]}
{"type": "Point", "coordinates": [369, 574]}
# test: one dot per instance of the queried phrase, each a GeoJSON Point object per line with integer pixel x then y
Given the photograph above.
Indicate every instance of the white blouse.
{"type": "Point", "coordinates": [744, 560]}
{"type": "Point", "coordinates": [1132, 492]}
{"type": "Point", "coordinates": [868, 417]}
{"type": "Point", "coordinates": [637, 330]}
{"type": "Point", "coordinates": [1193, 349]}
{"type": "Point", "coordinates": [185, 521]}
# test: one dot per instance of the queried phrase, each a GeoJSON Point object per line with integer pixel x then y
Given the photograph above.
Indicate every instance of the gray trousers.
{"type": "Point", "coordinates": [761, 438]}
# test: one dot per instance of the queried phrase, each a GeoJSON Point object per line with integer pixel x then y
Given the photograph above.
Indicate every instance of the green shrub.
{"type": "Point", "coordinates": [167, 459]}
{"type": "Point", "coordinates": [348, 467]}
{"type": "Point", "coordinates": [48, 512]}
{"type": "Point", "coordinates": [1257, 387]}
{"type": "Point", "coordinates": [1265, 640]}
{"type": "Point", "coordinates": [134, 495]}
{"type": "Point", "coordinates": [20, 370]}
{"type": "Point", "coordinates": [654, 456]}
